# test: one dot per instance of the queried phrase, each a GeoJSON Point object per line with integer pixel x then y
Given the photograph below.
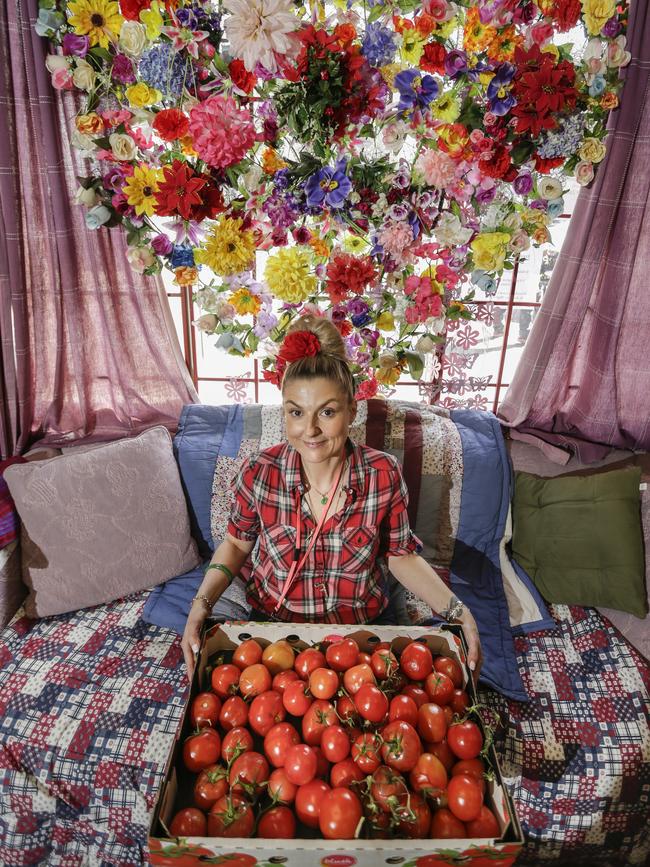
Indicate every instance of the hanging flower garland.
{"type": "Point", "coordinates": [390, 157]}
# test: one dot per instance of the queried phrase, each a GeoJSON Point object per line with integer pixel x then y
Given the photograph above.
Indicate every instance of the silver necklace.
{"type": "Point", "coordinates": [323, 496]}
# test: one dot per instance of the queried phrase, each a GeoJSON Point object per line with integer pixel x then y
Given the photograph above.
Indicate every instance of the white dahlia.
{"type": "Point", "coordinates": [258, 28]}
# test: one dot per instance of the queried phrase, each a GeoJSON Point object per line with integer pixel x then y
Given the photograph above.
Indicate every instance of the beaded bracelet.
{"type": "Point", "coordinates": [454, 610]}
{"type": "Point", "coordinates": [204, 599]}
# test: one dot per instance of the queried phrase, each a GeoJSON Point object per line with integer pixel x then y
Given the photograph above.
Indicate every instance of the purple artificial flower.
{"type": "Point", "coordinates": [370, 336]}
{"type": "Point", "coordinates": [357, 307]}
{"type": "Point", "coordinates": [455, 63]}
{"type": "Point", "coordinates": [339, 314]}
{"type": "Point", "coordinates": [498, 92]}
{"type": "Point", "coordinates": [113, 179]}
{"type": "Point", "coordinates": [523, 183]}
{"type": "Point", "coordinates": [302, 235]}
{"type": "Point", "coordinates": [328, 186]}
{"type": "Point", "coordinates": [279, 236]}
{"type": "Point", "coordinates": [162, 245]}
{"type": "Point", "coordinates": [415, 90]}
{"type": "Point", "coordinates": [398, 211]}
{"type": "Point", "coordinates": [611, 28]}
{"type": "Point", "coordinates": [77, 45]}
{"type": "Point", "coordinates": [484, 195]}
{"type": "Point", "coordinates": [270, 130]}
{"type": "Point", "coordinates": [538, 204]}
{"type": "Point", "coordinates": [122, 70]}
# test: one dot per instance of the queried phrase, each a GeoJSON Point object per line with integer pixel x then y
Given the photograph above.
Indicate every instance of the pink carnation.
{"type": "Point", "coordinates": [437, 168]}
{"type": "Point", "coordinates": [222, 133]}
{"type": "Point", "coordinates": [395, 239]}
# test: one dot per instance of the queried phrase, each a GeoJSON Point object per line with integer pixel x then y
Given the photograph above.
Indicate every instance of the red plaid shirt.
{"type": "Point", "coordinates": [344, 578]}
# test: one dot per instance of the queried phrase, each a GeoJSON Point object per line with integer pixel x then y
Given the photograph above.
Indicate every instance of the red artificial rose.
{"type": "Point", "coordinates": [299, 344]}
{"type": "Point", "coordinates": [273, 376]}
{"type": "Point", "coordinates": [433, 57]}
{"type": "Point", "coordinates": [241, 77]}
{"type": "Point", "coordinates": [497, 163]}
{"type": "Point", "coordinates": [566, 14]}
{"type": "Point", "coordinates": [367, 389]}
{"type": "Point", "coordinates": [171, 124]}
{"type": "Point", "coordinates": [131, 9]}
{"type": "Point", "coordinates": [544, 166]}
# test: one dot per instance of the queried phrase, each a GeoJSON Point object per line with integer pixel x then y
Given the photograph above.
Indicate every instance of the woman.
{"type": "Point", "coordinates": [322, 518]}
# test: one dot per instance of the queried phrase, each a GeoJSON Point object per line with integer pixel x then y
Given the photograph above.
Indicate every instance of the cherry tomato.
{"type": "Point", "coordinates": [403, 707]}
{"type": "Point", "coordinates": [450, 667]}
{"type": "Point", "coordinates": [300, 764]}
{"type": "Point", "coordinates": [402, 746]}
{"type": "Point", "coordinates": [432, 723]}
{"type": "Point", "coordinates": [345, 709]}
{"type": "Point", "coordinates": [235, 742]}
{"type": "Point", "coordinates": [465, 739]}
{"type": "Point", "coordinates": [211, 784]}
{"type": "Point", "coordinates": [282, 680]}
{"type": "Point", "coordinates": [384, 663]}
{"type": "Point", "coordinates": [415, 818]}
{"type": "Point", "coordinates": [441, 751]}
{"type": "Point", "coordinates": [323, 683]}
{"type": "Point", "coordinates": [459, 702]}
{"type": "Point", "coordinates": [366, 752]}
{"type": "Point", "coordinates": [280, 788]}
{"type": "Point", "coordinates": [189, 822]}
{"type": "Point", "coordinates": [266, 710]}
{"type": "Point", "coordinates": [445, 826]}
{"type": "Point", "coordinates": [342, 655]}
{"type": "Point", "coordinates": [295, 698]}
{"type": "Point", "coordinates": [254, 680]}
{"type": "Point", "coordinates": [428, 775]}
{"type": "Point", "coordinates": [388, 789]}
{"type": "Point", "coordinates": [371, 703]}
{"type": "Point", "coordinates": [355, 677]}
{"type": "Point", "coordinates": [234, 713]}
{"type": "Point", "coordinates": [339, 815]}
{"type": "Point", "coordinates": [307, 661]}
{"type": "Point", "coordinates": [248, 773]}
{"type": "Point", "coordinates": [485, 824]}
{"type": "Point", "coordinates": [224, 680]}
{"type": "Point", "coordinates": [308, 802]}
{"type": "Point", "coordinates": [277, 742]}
{"type": "Point", "coordinates": [231, 816]}
{"type": "Point", "coordinates": [205, 710]}
{"type": "Point", "coordinates": [345, 773]}
{"type": "Point", "coordinates": [415, 692]}
{"type": "Point", "coordinates": [416, 661]}
{"type": "Point", "coordinates": [319, 715]}
{"type": "Point", "coordinates": [335, 744]}
{"type": "Point", "coordinates": [248, 653]}
{"type": "Point", "coordinates": [464, 797]}
{"type": "Point", "coordinates": [201, 750]}
{"type": "Point", "coordinates": [278, 656]}
{"type": "Point", "coordinates": [439, 688]}
{"type": "Point", "coordinates": [278, 823]}
{"type": "Point", "coordinates": [473, 767]}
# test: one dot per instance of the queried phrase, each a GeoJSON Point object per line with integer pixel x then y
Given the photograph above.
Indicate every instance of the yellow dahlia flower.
{"type": "Point", "coordinates": [99, 20]}
{"type": "Point", "coordinates": [140, 189]}
{"type": "Point", "coordinates": [288, 276]}
{"type": "Point", "coordinates": [229, 249]}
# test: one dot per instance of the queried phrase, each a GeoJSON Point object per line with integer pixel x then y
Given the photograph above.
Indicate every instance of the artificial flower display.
{"type": "Point", "coordinates": [387, 159]}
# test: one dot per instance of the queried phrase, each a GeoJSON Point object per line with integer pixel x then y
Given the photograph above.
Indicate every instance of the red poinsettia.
{"type": "Point", "coordinates": [178, 191]}
{"type": "Point", "coordinates": [131, 9]}
{"type": "Point", "coordinates": [347, 273]}
{"type": "Point", "coordinates": [171, 124]}
{"type": "Point", "coordinates": [298, 344]}
{"type": "Point", "coordinates": [542, 88]}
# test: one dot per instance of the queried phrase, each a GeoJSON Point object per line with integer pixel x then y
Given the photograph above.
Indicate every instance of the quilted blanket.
{"type": "Point", "coordinates": [90, 703]}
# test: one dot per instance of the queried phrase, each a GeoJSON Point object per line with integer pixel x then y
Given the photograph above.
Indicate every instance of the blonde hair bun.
{"type": "Point", "coordinates": [330, 362]}
{"type": "Point", "coordinates": [329, 336]}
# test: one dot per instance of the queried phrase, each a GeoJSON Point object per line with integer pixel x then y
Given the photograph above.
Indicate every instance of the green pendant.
{"type": "Point", "coordinates": [323, 500]}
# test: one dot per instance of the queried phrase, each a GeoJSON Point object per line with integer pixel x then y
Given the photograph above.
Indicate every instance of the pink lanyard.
{"type": "Point", "coordinates": [296, 566]}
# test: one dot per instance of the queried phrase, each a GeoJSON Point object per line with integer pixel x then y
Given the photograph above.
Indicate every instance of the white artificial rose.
{"type": "Point", "coordinates": [133, 38]}
{"type": "Point", "coordinates": [450, 231]}
{"type": "Point", "coordinates": [208, 322]}
{"type": "Point", "coordinates": [513, 221]}
{"type": "Point", "coordinates": [425, 344]}
{"type": "Point", "coordinates": [251, 178]}
{"type": "Point", "coordinates": [84, 75]}
{"type": "Point", "coordinates": [549, 188]}
{"type": "Point", "coordinates": [519, 241]}
{"type": "Point", "coordinates": [87, 197]}
{"type": "Point", "coordinates": [140, 258]}
{"type": "Point", "coordinates": [436, 324]}
{"type": "Point", "coordinates": [56, 61]}
{"type": "Point", "coordinates": [122, 146]}
{"type": "Point", "coordinates": [225, 311]}
{"type": "Point", "coordinates": [594, 48]}
{"type": "Point", "coordinates": [617, 56]}
{"type": "Point", "coordinates": [82, 142]}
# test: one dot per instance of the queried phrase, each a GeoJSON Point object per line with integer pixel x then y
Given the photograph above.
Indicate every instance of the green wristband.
{"type": "Point", "coordinates": [226, 571]}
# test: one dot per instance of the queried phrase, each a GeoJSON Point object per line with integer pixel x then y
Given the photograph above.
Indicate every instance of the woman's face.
{"type": "Point", "coordinates": [317, 415]}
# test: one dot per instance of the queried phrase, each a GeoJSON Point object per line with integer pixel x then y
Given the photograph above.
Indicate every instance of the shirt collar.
{"type": "Point", "coordinates": [291, 461]}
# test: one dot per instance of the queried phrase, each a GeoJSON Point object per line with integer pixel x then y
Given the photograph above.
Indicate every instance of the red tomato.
{"type": "Point", "coordinates": [465, 739]}
{"type": "Point", "coordinates": [282, 680]}
{"type": "Point", "coordinates": [459, 702]}
{"type": "Point", "coordinates": [403, 707]}
{"type": "Point", "coordinates": [323, 766]}
{"type": "Point", "coordinates": [342, 655]}
{"type": "Point", "coordinates": [355, 677]}
{"type": "Point", "coordinates": [485, 825]}
{"type": "Point", "coordinates": [231, 816]}
{"type": "Point", "coordinates": [266, 710]}
{"type": "Point", "coordinates": [189, 822]}
{"type": "Point", "coordinates": [416, 661]}
{"type": "Point", "coordinates": [308, 802]}
{"type": "Point", "coordinates": [224, 680]}
{"type": "Point", "coordinates": [402, 747]}
{"type": "Point", "coordinates": [201, 750]}
{"type": "Point", "coordinates": [296, 700]}
{"type": "Point", "coordinates": [234, 713]}
{"type": "Point", "coordinates": [371, 703]}
{"type": "Point", "coordinates": [384, 663]}
{"type": "Point", "coordinates": [364, 658]}
{"type": "Point", "coordinates": [415, 818]}
{"type": "Point", "coordinates": [319, 715]}
{"type": "Point", "coordinates": [473, 767]}
{"type": "Point", "coordinates": [248, 773]}
{"type": "Point", "coordinates": [248, 653]}
{"type": "Point", "coordinates": [205, 710]}
{"type": "Point", "coordinates": [255, 680]}
{"type": "Point", "coordinates": [415, 692]}
{"type": "Point", "coordinates": [432, 723]}
{"type": "Point", "coordinates": [335, 744]}
{"type": "Point", "coordinates": [307, 661]}
{"type": "Point", "coordinates": [323, 683]}
{"type": "Point", "coordinates": [278, 741]}
{"type": "Point", "coordinates": [366, 752]}
{"type": "Point", "coordinates": [211, 784]}
{"type": "Point", "coordinates": [381, 645]}
{"type": "Point", "coordinates": [381, 825]}
{"type": "Point", "coordinates": [345, 773]}
{"type": "Point", "coordinates": [439, 687]}
{"type": "Point", "coordinates": [340, 814]}
{"type": "Point", "coordinates": [428, 775]}
{"type": "Point", "coordinates": [441, 751]}
{"type": "Point", "coordinates": [278, 656]}
{"type": "Point", "coordinates": [280, 788]}
{"type": "Point", "coordinates": [388, 789]}
{"type": "Point", "coordinates": [277, 823]}
{"type": "Point", "coordinates": [300, 764]}
{"type": "Point", "coordinates": [235, 742]}
{"type": "Point", "coordinates": [464, 797]}
{"type": "Point", "coordinates": [345, 708]}
{"type": "Point", "coordinates": [445, 826]}
{"type": "Point", "coordinates": [450, 667]}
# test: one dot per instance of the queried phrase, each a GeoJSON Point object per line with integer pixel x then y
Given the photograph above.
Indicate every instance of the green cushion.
{"type": "Point", "coordinates": [580, 538]}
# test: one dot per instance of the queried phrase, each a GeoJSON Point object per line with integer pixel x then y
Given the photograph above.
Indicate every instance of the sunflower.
{"type": "Point", "coordinates": [99, 20]}
{"type": "Point", "coordinates": [140, 189]}
{"type": "Point", "coordinates": [229, 249]}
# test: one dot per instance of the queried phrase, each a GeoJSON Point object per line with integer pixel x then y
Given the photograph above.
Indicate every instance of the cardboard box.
{"type": "Point", "coordinates": [317, 852]}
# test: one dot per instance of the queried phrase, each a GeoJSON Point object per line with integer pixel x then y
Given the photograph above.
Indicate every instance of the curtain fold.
{"type": "Point", "coordinates": [89, 351]}
{"type": "Point", "coordinates": [583, 381]}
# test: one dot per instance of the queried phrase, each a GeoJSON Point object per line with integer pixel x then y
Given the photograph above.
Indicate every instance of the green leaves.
{"type": "Point", "coordinates": [415, 363]}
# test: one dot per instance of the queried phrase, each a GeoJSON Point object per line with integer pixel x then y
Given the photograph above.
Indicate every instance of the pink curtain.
{"type": "Point", "coordinates": [89, 349]}
{"type": "Point", "coordinates": [583, 382]}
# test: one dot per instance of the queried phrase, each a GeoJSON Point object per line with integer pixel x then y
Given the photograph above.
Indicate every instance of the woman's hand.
{"type": "Point", "coordinates": [191, 639]}
{"type": "Point", "coordinates": [474, 653]}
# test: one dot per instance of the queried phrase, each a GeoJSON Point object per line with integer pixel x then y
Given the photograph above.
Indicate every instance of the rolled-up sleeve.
{"type": "Point", "coordinates": [244, 521]}
{"type": "Point", "coordinates": [397, 538]}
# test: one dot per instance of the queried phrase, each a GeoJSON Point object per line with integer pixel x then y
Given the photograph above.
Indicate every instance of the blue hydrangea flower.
{"type": "Point", "coordinates": [563, 141]}
{"type": "Point", "coordinates": [328, 186]}
{"type": "Point", "coordinates": [182, 256]}
{"type": "Point", "coordinates": [166, 70]}
{"type": "Point", "coordinates": [415, 90]}
{"type": "Point", "coordinates": [378, 45]}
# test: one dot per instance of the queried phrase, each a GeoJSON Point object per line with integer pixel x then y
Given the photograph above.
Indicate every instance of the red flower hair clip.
{"type": "Point", "coordinates": [299, 344]}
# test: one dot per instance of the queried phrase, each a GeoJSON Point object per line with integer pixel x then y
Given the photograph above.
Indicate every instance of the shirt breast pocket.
{"type": "Point", "coordinates": [359, 547]}
{"type": "Point", "coordinates": [279, 542]}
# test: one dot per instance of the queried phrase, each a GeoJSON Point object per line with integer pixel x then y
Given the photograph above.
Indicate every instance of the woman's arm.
{"type": "Point", "coordinates": [414, 573]}
{"type": "Point", "coordinates": [232, 553]}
